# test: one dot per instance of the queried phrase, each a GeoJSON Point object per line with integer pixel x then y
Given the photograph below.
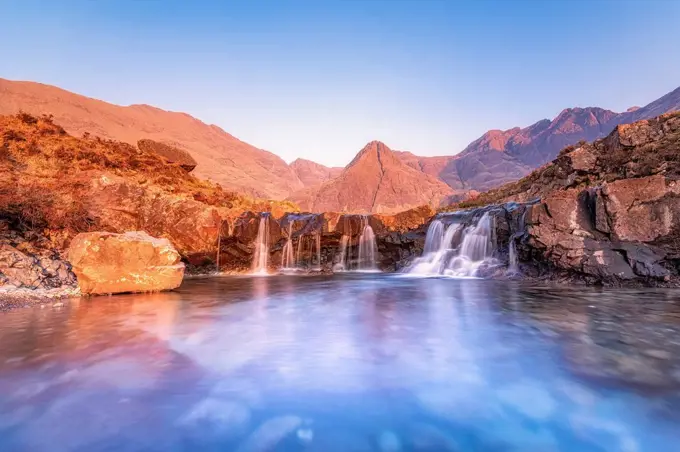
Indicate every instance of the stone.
{"type": "Point", "coordinates": [106, 263]}
{"type": "Point", "coordinates": [582, 159]}
{"type": "Point", "coordinates": [638, 210]}
{"type": "Point", "coordinates": [29, 269]}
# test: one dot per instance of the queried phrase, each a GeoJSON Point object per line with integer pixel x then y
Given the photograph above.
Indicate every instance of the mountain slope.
{"type": "Point", "coordinates": [221, 157]}
{"type": "Point", "coordinates": [312, 174]}
{"type": "Point", "coordinates": [375, 181]}
{"type": "Point", "coordinates": [501, 156]}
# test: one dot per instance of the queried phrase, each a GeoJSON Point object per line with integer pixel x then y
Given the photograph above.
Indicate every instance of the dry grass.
{"type": "Point", "coordinates": [40, 165]}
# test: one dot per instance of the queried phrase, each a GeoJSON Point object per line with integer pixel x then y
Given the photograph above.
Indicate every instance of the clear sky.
{"type": "Point", "coordinates": [320, 78]}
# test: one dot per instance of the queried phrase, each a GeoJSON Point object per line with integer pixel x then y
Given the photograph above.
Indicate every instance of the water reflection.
{"type": "Point", "coordinates": [351, 362]}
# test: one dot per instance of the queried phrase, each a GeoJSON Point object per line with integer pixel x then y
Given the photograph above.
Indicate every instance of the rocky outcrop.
{"type": "Point", "coordinates": [399, 239]}
{"type": "Point", "coordinates": [58, 185]}
{"type": "Point", "coordinates": [31, 262]}
{"type": "Point", "coordinates": [376, 181]}
{"type": "Point", "coordinates": [107, 263]}
{"type": "Point", "coordinates": [171, 154]}
{"type": "Point", "coordinates": [611, 209]}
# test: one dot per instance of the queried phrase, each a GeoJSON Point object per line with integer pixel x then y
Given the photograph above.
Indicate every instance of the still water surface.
{"type": "Point", "coordinates": [345, 363]}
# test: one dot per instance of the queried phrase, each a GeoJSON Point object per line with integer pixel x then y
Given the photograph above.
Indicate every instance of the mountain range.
{"type": "Point", "coordinates": [377, 180]}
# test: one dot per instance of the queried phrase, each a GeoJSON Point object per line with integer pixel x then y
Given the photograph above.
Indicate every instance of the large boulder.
{"type": "Point", "coordinates": [106, 263]}
{"type": "Point", "coordinates": [122, 205]}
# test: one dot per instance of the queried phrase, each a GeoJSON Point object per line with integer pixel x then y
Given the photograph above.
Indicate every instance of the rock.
{"type": "Point", "coordinates": [582, 159]}
{"type": "Point", "coordinates": [122, 205]}
{"type": "Point", "coordinates": [107, 263]}
{"type": "Point", "coordinates": [33, 269]}
{"type": "Point", "coordinates": [171, 154]}
{"type": "Point", "coordinates": [642, 209]}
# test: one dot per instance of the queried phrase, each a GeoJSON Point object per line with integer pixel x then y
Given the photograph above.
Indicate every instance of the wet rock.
{"type": "Point", "coordinates": [131, 262]}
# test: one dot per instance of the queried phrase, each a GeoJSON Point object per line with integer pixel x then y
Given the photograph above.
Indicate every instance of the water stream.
{"type": "Point", "coordinates": [456, 249]}
{"type": "Point", "coordinates": [261, 256]}
{"type": "Point", "coordinates": [350, 362]}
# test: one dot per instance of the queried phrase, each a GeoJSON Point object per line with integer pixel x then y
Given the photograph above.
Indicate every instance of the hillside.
{"type": "Point", "coordinates": [375, 181]}
{"type": "Point", "coordinates": [220, 157]}
{"type": "Point", "coordinates": [56, 184]}
{"type": "Point", "coordinates": [501, 156]}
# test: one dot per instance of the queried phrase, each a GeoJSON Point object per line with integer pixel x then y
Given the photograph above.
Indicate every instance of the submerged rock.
{"type": "Point", "coordinates": [108, 263]}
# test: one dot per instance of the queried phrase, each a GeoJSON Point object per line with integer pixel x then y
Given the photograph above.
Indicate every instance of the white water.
{"type": "Point", "coordinates": [344, 250]}
{"type": "Point", "coordinates": [287, 256]}
{"type": "Point", "coordinates": [513, 265]}
{"type": "Point", "coordinates": [457, 252]}
{"type": "Point", "coordinates": [318, 252]}
{"type": "Point", "coordinates": [367, 247]}
{"type": "Point", "coordinates": [261, 256]}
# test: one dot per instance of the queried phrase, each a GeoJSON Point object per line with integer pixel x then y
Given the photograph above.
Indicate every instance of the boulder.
{"type": "Point", "coordinates": [171, 154]}
{"type": "Point", "coordinates": [106, 263]}
{"type": "Point", "coordinates": [122, 205]}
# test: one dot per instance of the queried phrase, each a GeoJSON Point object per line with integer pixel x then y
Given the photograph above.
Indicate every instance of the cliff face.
{"type": "Point", "coordinates": [375, 181]}
{"type": "Point", "coordinates": [220, 157]}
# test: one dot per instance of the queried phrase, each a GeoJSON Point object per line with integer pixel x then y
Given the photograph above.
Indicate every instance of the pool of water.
{"type": "Point", "coordinates": [345, 363]}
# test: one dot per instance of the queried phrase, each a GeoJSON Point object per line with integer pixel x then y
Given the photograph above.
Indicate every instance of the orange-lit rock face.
{"type": "Point", "coordinates": [376, 181]}
{"type": "Point", "coordinates": [132, 262]}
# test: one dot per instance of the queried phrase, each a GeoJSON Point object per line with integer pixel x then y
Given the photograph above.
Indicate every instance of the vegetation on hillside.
{"type": "Point", "coordinates": [44, 173]}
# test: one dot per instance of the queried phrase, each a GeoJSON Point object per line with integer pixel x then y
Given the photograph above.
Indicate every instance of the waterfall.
{"type": "Point", "coordinates": [513, 261]}
{"type": "Point", "coordinates": [341, 266]}
{"type": "Point", "coordinates": [367, 247]}
{"type": "Point", "coordinates": [318, 252]}
{"type": "Point", "coordinates": [513, 265]}
{"type": "Point", "coordinates": [457, 251]}
{"type": "Point", "coordinates": [287, 256]}
{"type": "Point", "coordinates": [434, 237]}
{"type": "Point", "coordinates": [261, 256]}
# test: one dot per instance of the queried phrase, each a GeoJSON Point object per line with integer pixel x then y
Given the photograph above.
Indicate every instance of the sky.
{"type": "Point", "coordinates": [318, 79]}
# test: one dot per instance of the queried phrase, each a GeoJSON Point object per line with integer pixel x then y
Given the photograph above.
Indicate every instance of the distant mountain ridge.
{"type": "Point", "coordinates": [501, 156]}
{"type": "Point", "coordinates": [377, 181]}
{"type": "Point", "coordinates": [393, 179]}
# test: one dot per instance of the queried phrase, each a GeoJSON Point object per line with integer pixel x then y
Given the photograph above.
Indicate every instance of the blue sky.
{"type": "Point", "coordinates": [318, 79]}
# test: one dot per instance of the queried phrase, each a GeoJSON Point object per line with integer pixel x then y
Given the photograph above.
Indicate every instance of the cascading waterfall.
{"type": "Point", "coordinates": [367, 247]}
{"type": "Point", "coordinates": [341, 266]}
{"type": "Point", "coordinates": [261, 256]}
{"type": "Point", "coordinates": [434, 237]}
{"type": "Point", "coordinates": [318, 252]}
{"type": "Point", "coordinates": [513, 261]}
{"type": "Point", "coordinates": [287, 256]}
{"type": "Point", "coordinates": [456, 251]}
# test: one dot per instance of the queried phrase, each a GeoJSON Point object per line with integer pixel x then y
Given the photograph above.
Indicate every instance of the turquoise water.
{"type": "Point", "coordinates": [344, 363]}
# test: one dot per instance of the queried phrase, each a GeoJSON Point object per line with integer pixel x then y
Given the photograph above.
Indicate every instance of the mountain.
{"type": "Point", "coordinates": [501, 156]}
{"type": "Point", "coordinates": [375, 181]}
{"type": "Point", "coordinates": [312, 173]}
{"type": "Point", "coordinates": [220, 157]}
